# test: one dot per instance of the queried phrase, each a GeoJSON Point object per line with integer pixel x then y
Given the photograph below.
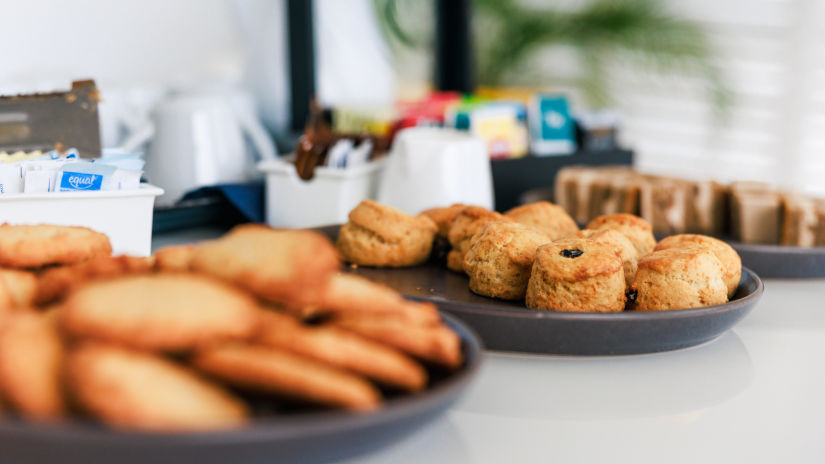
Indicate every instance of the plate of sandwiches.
{"type": "Point", "coordinates": [529, 280]}
{"type": "Point", "coordinates": [250, 348]}
{"type": "Point", "coordinates": [778, 234]}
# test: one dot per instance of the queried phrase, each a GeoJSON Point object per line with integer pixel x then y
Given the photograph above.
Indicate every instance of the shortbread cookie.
{"type": "Point", "coordinates": [500, 258]}
{"type": "Point", "coordinates": [135, 390]}
{"type": "Point", "coordinates": [274, 370]}
{"type": "Point", "coordinates": [161, 312]}
{"type": "Point", "coordinates": [285, 266]}
{"type": "Point", "coordinates": [639, 231]}
{"type": "Point", "coordinates": [382, 236]}
{"type": "Point", "coordinates": [55, 283]}
{"type": "Point", "coordinates": [577, 275]}
{"type": "Point", "coordinates": [31, 353]}
{"type": "Point", "coordinates": [352, 294]}
{"type": "Point", "coordinates": [341, 349]}
{"type": "Point", "coordinates": [21, 286]}
{"type": "Point", "coordinates": [175, 258]}
{"type": "Point", "coordinates": [679, 278]}
{"type": "Point", "coordinates": [550, 219]}
{"type": "Point", "coordinates": [731, 262]}
{"type": "Point", "coordinates": [437, 344]}
{"type": "Point", "coordinates": [31, 246]}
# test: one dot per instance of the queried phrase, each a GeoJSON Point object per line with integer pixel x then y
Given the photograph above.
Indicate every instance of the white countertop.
{"type": "Point", "coordinates": [755, 395]}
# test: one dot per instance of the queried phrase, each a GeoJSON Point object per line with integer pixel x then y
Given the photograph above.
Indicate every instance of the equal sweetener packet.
{"type": "Point", "coordinates": [83, 175]}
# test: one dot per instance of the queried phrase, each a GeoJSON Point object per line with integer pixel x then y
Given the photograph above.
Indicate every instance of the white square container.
{"type": "Point", "coordinates": [125, 216]}
{"type": "Point", "coordinates": [326, 199]}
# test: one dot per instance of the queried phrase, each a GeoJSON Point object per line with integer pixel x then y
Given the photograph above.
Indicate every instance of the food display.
{"type": "Point", "coordinates": [202, 337]}
{"type": "Point", "coordinates": [537, 254]}
{"type": "Point", "coordinates": [749, 212]}
{"type": "Point", "coordinates": [380, 235]}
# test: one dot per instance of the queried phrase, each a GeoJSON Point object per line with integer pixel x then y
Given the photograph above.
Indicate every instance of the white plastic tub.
{"type": "Point", "coordinates": [125, 216]}
{"type": "Point", "coordinates": [324, 200]}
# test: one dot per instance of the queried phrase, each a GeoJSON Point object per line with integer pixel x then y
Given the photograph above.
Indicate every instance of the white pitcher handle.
{"type": "Point", "coordinates": [258, 135]}
{"type": "Point", "coordinates": [137, 138]}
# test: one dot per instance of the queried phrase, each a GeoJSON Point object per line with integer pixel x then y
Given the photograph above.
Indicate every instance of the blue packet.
{"type": "Point", "coordinates": [84, 176]}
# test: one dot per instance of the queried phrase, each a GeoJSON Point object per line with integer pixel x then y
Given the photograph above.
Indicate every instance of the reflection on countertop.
{"type": "Point", "coordinates": [575, 387]}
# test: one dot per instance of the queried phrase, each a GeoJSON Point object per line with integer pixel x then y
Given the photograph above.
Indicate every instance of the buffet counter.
{"type": "Point", "coordinates": [753, 395]}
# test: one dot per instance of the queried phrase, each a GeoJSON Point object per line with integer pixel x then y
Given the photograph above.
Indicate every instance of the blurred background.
{"type": "Point", "coordinates": [701, 89]}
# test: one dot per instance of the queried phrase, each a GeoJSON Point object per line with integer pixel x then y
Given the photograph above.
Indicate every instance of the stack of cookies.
{"type": "Point", "coordinates": [537, 254]}
{"type": "Point", "coordinates": [182, 340]}
{"type": "Point", "coordinates": [750, 212]}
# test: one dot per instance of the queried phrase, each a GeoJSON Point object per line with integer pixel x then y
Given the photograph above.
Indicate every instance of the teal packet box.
{"type": "Point", "coordinates": [552, 129]}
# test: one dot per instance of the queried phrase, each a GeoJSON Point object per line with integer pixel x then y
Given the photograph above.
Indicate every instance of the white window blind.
{"type": "Point", "coordinates": [771, 54]}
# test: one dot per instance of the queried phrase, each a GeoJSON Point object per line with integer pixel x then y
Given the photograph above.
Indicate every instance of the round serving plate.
{"type": "Point", "coordinates": [510, 326]}
{"type": "Point", "coordinates": [307, 437]}
{"type": "Point", "coordinates": [782, 262]}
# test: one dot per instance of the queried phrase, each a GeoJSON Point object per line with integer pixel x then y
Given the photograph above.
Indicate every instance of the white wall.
{"type": "Point", "coordinates": [122, 42]}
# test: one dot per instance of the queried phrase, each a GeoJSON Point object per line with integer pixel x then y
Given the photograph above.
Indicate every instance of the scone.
{"type": "Point", "coordinates": [467, 223]}
{"type": "Point", "coordinates": [731, 262]}
{"type": "Point", "coordinates": [444, 217]}
{"type": "Point", "coordinates": [500, 258]}
{"type": "Point", "coordinates": [577, 275]}
{"type": "Point", "coordinates": [382, 236]}
{"type": "Point", "coordinates": [678, 278]}
{"type": "Point", "coordinates": [639, 231]}
{"type": "Point", "coordinates": [551, 219]}
{"type": "Point", "coordinates": [620, 244]}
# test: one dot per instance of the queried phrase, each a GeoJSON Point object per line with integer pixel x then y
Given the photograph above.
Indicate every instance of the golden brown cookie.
{"type": "Point", "coordinates": [21, 286]}
{"type": "Point", "coordinates": [548, 218]}
{"type": "Point", "coordinates": [621, 245]}
{"type": "Point", "coordinates": [55, 283]}
{"type": "Point", "coordinates": [436, 343]}
{"type": "Point", "coordinates": [273, 370]}
{"type": "Point", "coordinates": [31, 354]}
{"type": "Point", "coordinates": [730, 259]}
{"type": "Point", "coordinates": [352, 294]}
{"type": "Point", "coordinates": [7, 299]}
{"type": "Point", "coordinates": [174, 258]}
{"type": "Point", "coordinates": [500, 258]}
{"type": "Point", "coordinates": [134, 390]}
{"type": "Point", "coordinates": [443, 217]}
{"type": "Point", "coordinates": [286, 266]}
{"type": "Point", "coordinates": [382, 236]}
{"type": "Point", "coordinates": [679, 278]}
{"type": "Point", "coordinates": [30, 246]}
{"type": "Point", "coordinates": [341, 349]}
{"type": "Point", "coordinates": [160, 312]}
{"type": "Point", "coordinates": [577, 275]}
{"type": "Point", "coordinates": [639, 231]}
{"type": "Point", "coordinates": [467, 223]}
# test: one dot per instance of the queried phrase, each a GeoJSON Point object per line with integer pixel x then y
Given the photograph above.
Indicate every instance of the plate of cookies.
{"type": "Point", "coordinates": [529, 280]}
{"type": "Point", "coordinates": [253, 347]}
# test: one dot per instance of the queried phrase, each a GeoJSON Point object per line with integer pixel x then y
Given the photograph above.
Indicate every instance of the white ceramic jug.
{"type": "Point", "coordinates": [198, 140]}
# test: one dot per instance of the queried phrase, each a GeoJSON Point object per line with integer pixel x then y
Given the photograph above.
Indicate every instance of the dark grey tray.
{"type": "Point", "coordinates": [778, 262]}
{"type": "Point", "coordinates": [510, 326]}
{"type": "Point", "coordinates": [310, 437]}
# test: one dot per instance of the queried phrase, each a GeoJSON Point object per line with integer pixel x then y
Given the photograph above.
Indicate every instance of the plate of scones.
{"type": "Point", "coordinates": [529, 280]}
{"type": "Point", "coordinates": [252, 347]}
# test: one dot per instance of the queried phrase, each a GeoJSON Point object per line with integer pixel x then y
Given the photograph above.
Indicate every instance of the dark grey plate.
{"type": "Point", "coordinates": [776, 261]}
{"type": "Point", "coordinates": [509, 326]}
{"type": "Point", "coordinates": [297, 437]}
